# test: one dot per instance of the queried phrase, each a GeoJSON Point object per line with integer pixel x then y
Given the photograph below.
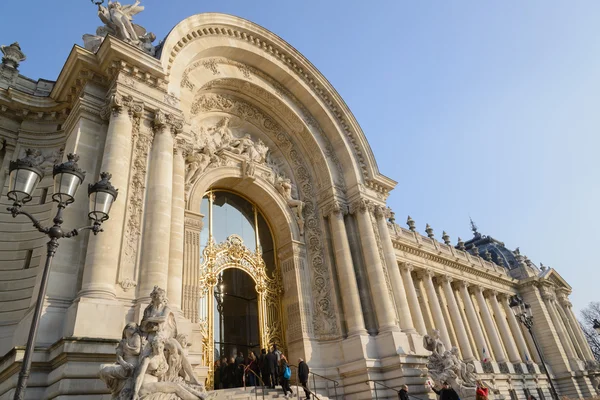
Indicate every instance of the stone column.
{"type": "Point", "coordinates": [436, 310]}
{"type": "Point", "coordinates": [507, 337]}
{"type": "Point", "coordinates": [157, 229]}
{"type": "Point", "coordinates": [413, 300]}
{"type": "Point", "coordinates": [102, 259]}
{"type": "Point", "coordinates": [490, 326]}
{"type": "Point", "coordinates": [473, 320]}
{"type": "Point", "coordinates": [564, 339]}
{"type": "Point", "coordinates": [406, 323]}
{"type": "Point", "coordinates": [569, 331]}
{"type": "Point", "coordinates": [384, 308]}
{"type": "Point", "coordinates": [459, 326]}
{"type": "Point", "coordinates": [175, 283]}
{"type": "Point", "coordinates": [515, 328]}
{"type": "Point", "coordinates": [345, 269]}
{"type": "Point", "coordinates": [568, 309]}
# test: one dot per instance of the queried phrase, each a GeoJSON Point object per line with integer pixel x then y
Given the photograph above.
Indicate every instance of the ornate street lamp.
{"type": "Point", "coordinates": [523, 313]}
{"type": "Point", "coordinates": [24, 175]}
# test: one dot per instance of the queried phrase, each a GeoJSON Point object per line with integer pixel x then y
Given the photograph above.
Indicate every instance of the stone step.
{"type": "Point", "coordinates": [252, 393]}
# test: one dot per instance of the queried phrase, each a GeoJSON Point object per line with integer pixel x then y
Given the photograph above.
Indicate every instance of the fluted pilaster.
{"type": "Point", "coordinates": [404, 315]}
{"type": "Point", "coordinates": [345, 269]}
{"type": "Point", "coordinates": [490, 327]}
{"type": "Point", "coordinates": [459, 326]}
{"type": "Point", "coordinates": [436, 310]}
{"type": "Point", "coordinates": [473, 320]}
{"type": "Point", "coordinates": [157, 231]}
{"type": "Point", "coordinates": [175, 283]}
{"type": "Point", "coordinates": [505, 333]}
{"type": "Point", "coordinates": [413, 300]}
{"type": "Point", "coordinates": [102, 259]}
{"type": "Point", "coordinates": [384, 308]}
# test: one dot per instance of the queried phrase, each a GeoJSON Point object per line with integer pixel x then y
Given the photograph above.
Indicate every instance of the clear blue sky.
{"type": "Point", "coordinates": [481, 109]}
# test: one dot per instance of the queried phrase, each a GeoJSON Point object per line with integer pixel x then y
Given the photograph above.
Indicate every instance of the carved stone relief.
{"type": "Point", "coordinates": [45, 158]}
{"type": "Point", "coordinates": [296, 124]}
{"type": "Point", "coordinates": [324, 318]}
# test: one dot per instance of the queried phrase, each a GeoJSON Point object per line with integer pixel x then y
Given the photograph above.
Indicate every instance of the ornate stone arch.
{"type": "Point", "coordinates": [213, 35]}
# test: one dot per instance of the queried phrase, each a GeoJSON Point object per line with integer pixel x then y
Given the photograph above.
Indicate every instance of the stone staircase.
{"type": "Point", "coordinates": [252, 393]}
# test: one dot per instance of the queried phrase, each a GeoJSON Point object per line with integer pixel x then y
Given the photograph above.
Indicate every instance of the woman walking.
{"type": "Point", "coordinates": [286, 374]}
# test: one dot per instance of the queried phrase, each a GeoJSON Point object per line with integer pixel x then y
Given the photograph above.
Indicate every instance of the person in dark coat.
{"type": "Point", "coordinates": [272, 362]}
{"type": "Point", "coordinates": [239, 369]}
{"type": "Point", "coordinates": [446, 392]}
{"type": "Point", "coordinates": [263, 364]}
{"type": "Point", "coordinates": [303, 371]}
{"type": "Point", "coordinates": [230, 373]}
{"type": "Point", "coordinates": [403, 393]}
{"type": "Point", "coordinates": [223, 374]}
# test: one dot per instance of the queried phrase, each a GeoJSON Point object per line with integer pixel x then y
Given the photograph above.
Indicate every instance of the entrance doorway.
{"type": "Point", "coordinates": [236, 327]}
{"type": "Point", "coordinates": [240, 283]}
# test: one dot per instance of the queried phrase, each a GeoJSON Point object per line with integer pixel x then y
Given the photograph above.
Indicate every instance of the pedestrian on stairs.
{"type": "Point", "coordinates": [303, 371]}
{"type": "Point", "coordinates": [272, 363]}
{"type": "Point", "coordinates": [403, 393]}
{"type": "Point", "coordinates": [263, 363]}
{"type": "Point", "coordinates": [286, 374]}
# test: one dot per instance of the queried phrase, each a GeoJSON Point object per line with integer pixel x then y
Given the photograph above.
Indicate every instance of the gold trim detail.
{"type": "Point", "coordinates": [232, 253]}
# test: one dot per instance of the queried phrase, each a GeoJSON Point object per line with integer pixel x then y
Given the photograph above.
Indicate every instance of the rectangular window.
{"type": "Point", "coordinates": [43, 195]}
{"type": "Point", "coordinates": [28, 259]}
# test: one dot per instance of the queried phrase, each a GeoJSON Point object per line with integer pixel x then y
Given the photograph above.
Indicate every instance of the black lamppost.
{"type": "Point", "coordinates": [597, 326]}
{"type": "Point", "coordinates": [23, 179]}
{"type": "Point", "coordinates": [523, 313]}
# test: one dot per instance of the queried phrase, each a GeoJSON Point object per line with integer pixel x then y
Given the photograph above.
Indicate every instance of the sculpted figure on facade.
{"type": "Point", "coordinates": [284, 186]}
{"type": "Point", "coordinates": [151, 361]}
{"type": "Point", "coordinates": [446, 366]}
{"type": "Point", "coordinates": [118, 21]}
{"type": "Point", "coordinates": [118, 377]}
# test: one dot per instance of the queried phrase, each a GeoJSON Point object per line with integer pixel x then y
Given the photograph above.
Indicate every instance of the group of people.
{"type": "Point", "coordinates": [272, 368]}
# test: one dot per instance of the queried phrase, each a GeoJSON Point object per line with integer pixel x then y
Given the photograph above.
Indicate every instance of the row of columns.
{"type": "Point", "coordinates": [502, 332]}
{"type": "Point", "coordinates": [163, 234]}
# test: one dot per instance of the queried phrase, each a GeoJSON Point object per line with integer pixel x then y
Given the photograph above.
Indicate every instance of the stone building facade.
{"type": "Point", "coordinates": [225, 105]}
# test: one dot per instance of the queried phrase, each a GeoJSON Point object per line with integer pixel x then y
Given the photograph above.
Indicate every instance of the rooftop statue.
{"type": "Point", "coordinates": [117, 19]}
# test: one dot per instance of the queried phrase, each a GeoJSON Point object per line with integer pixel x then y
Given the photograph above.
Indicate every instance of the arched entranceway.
{"type": "Point", "coordinates": [237, 264]}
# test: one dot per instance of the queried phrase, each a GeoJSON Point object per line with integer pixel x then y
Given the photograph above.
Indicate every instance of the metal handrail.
{"type": "Point", "coordinates": [335, 383]}
{"type": "Point", "coordinates": [313, 394]}
{"type": "Point", "coordinates": [387, 387]}
{"type": "Point", "coordinates": [247, 368]}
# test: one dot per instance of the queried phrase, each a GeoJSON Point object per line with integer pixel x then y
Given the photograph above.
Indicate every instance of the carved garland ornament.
{"type": "Point", "coordinates": [324, 318]}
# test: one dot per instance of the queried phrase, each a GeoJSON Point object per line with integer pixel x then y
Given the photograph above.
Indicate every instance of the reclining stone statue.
{"type": "Point", "coordinates": [151, 362]}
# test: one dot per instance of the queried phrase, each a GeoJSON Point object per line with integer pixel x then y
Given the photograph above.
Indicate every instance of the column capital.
{"type": "Point", "coordinates": [360, 205]}
{"type": "Point", "coordinates": [118, 103]}
{"type": "Point", "coordinates": [426, 273]}
{"type": "Point", "coordinates": [490, 293]}
{"type": "Point", "coordinates": [446, 279]}
{"type": "Point", "coordinates": [381, 211]}
{"type": "Point", "coordinates": [504, 296]}
{"type": "Point", "coordinates": [164, 120]}
{"type": "Point", "coordinates": [476, 289]}
{"type": "Point", "coordinates": [546, 293]}
{"type": "Point", "coordinates": [407, 267]}
{"type": "Point", "coordinates": [181, 146]}
{"type": "Point", "coordinates": [463, 284]}
{"type": "Point", "coordinates": [335, 209]}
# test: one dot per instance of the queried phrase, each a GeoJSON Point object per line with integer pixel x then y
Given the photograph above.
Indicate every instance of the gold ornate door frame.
{"type": "Point", "coordinates": [233, 254]}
